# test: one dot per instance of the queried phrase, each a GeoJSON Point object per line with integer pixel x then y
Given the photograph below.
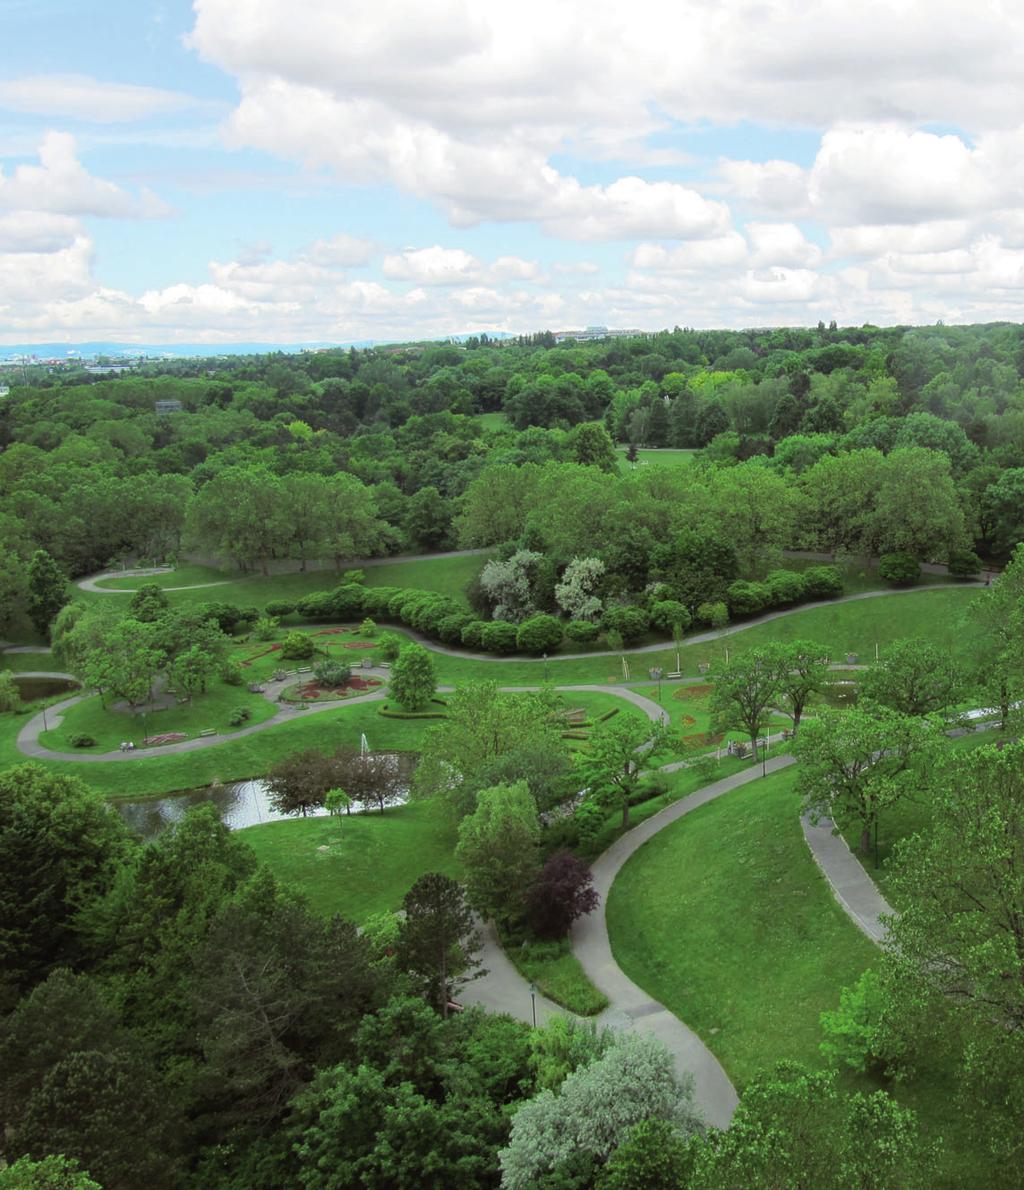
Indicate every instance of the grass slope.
{"type": "Point", "coordinates": [724, 918]}
{"type": "Point", "coordinates": [363, 866]}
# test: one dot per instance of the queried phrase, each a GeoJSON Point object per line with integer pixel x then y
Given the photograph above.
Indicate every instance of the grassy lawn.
{"type": "Point", "coordinates": [493, 421]}
{"type": "Point", "coordinates": [447, 575]}
{"type": "Point", "coordinates": [725, 919]}
{"type": "Point", "coordinates": [108, 727]}
{"type": "Point", "coordinates": [658, 458]}
{"type": "Point", "coordinates": [363, 866]}
{"type": "Point", "coordinates": [27, 662]}
{"type": "Point", "coordinates": [558, 974]}
{"type": "Point", "coordinates": [232, 760]}
{"type": "Point", "coordinates": [181, 576]}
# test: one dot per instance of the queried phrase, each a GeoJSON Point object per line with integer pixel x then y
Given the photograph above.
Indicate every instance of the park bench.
{"type": "Point", "coordinates": [208, 731]}
{"type": "Point", "coordinates": [305, 669]}
{"type": "Point", "coordinates": [676, 673]}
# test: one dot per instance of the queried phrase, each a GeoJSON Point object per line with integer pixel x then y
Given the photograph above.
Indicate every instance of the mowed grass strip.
{"type": "Point", "coordinates": [449, 576]}
{"type": "Point", "coordinates": [361, 864]}
{"type": "Point", "coordinates": [725, 919]}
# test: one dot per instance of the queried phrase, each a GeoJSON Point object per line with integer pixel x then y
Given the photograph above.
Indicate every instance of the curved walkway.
{"type": "Point", "coordinates": [28, 737]}
{"type": "Point", "coordinates": [90, 583]}
{"type": "Point", "coordinates": [713, 1091]}
{"type": "Point", "coordinates": [851, 885]}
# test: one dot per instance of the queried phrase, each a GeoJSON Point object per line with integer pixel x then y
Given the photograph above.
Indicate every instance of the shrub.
{"type": "Point", "coordinates": [582, 632]}
{"type": "Point", "coordinates": [964, 563]}
{"type": "Point", "coordinates": [231, 674]}
{"type": "Point", "coordinates": [473, 634]}
{"type": "Point", "coordinates": [667, 613]}
{"type": "Point", "coordinates": [297, 646]}
{"type": "Point", "coordinates": [389, 646]}
{"type": "Point", "coordinates": [332, 672]}
{"type": "Point", "coordinates": [413, 680]}
{"type": "Point", "coordinates": [346, 602]}
{"type": "Point", "coordinates": [265, 628]}
{"type": "Point", "coordinates": [746, 599]}
{"type": "Point", "coordinates": [539, 634]}
{"type": "Point", "coordinates": [81, 740]}
{"type": "Point", "coordinates": [822, 582]}
{"type": "Point", "coordinates": [630, 623]}
{"type": "Point", "coordinates": [562, 891]}
{"type": "Point", "coordinates": [247, 616]}
{"type": "Point", "coordinates": [239, 716]}
{"type": "Point", "coordinates": [226, 615]}
{"type": "Point", "coordinates": [900, 569]}
{"type": "Point", "coordinates": [376, 599]}
{"type": "Point", "coordinates": [852, 1031]}
{"type": "Point", "coordinates": [785, 586]}
{"type": "Point", "coordinates": [10, 695]}
{"type": "Point", "coordinates": [499, 637]}
{"type": "Point", "coordinates": [715, 615]}
{"type": "Point", "coordinates": [279, 607]}
{"type": "Point", "coordinates": [449, 630]}
{"type": "Point", "coordinates": [317, 606]}
{"type": "Point", "coordinates": [397, 602]}
{"type": "Point", "coordinates": [368, 628]}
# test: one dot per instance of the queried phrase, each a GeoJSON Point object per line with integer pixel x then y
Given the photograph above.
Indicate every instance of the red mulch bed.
{"type": "Point", "coordinates": [169, 737]}
{"type": "Point", "coordinates": [357, 644]}
{"type": "Point", "coordinates": [313, 690]}
{"type": "Point", "coordinates": [703, 739]}
{"type": "Point", "coordinates": [687, 720]}
{"type": "Point", "coordinates": [687, 692]}
{"type": "Point", "coordinates": [332, 631]}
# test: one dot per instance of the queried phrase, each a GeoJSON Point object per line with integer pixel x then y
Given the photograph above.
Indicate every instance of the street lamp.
{"type": "Point", "coordinates": [545, 667]}
{"type": "Point", "coordinates": [533, 1002]}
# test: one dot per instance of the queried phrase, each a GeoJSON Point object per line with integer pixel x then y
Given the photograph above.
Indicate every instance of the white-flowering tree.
{"type": "Point", "coordinates": [593, 1109]}
{"type": "Point", "coordinates": [575, 593]}
{"type": "Point", "coordinates": [510, 585]}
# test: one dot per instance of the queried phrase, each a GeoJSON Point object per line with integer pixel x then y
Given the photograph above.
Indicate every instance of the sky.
{"type": "Point", "coordinates": [288, 171]}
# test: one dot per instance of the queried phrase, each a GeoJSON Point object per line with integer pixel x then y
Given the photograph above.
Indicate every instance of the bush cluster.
{"type": "Point", "coordinates": [782, 588]}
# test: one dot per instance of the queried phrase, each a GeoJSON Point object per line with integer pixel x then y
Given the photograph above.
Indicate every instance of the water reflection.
{"type": "Point", "coordinates": [244, 803]}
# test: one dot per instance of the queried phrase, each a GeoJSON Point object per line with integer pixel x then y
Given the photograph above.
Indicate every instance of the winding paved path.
{"type": "Point", "coordinates": [28, 737]}
{"type": "Point", "coordinates": [91, 583]}
{"type": "Point", "coordinates": [713, 1091]}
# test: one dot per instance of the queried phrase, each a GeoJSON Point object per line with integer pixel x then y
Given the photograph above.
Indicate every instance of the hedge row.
{"type": "Point", "coordinates": [442, 618]}
{"type": "Point", "coordinates": [783, 588]}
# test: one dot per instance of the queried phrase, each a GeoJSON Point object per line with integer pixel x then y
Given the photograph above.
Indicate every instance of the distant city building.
{"type": "Point", "coordinates": [595, 332]}
{"type": "Point", "coordinates": [163, 408]}
{"type": "Point", "coordinates": [107, 369]}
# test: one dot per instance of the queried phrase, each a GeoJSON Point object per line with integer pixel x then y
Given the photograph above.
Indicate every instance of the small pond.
{"type": "Point", "coordinates": [241, 804]}
{"type": "Point", "coordinates": [33, 688]}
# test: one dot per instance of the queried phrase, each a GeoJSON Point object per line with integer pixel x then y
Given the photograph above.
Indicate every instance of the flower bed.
{"type": "Point", "coordinates": [313, 691]}
{"type": "Point", "coordinates": [683, 693]}
{"type": "Point", "coordinates": [168, 737]}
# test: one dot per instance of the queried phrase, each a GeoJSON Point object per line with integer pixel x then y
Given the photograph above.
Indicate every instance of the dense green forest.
{"type": "Point", "coordinates": [867, 441]}
{"type": "Point", "coordinates": [193, 1011]}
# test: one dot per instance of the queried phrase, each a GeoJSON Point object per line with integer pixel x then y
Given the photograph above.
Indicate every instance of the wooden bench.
{"type": "Point", "coordinates": [306, 669]}
{"type": "Point", "coordinates": [208, 731]}
{"type": "Point", "coordinates": [675, 674]}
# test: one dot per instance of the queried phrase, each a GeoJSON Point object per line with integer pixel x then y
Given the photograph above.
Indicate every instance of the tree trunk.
{"type": "Point", "coordinates": [625, 811]}
{"type": "Point", "coordinates": [753, 745]}
{"type": "Point", "coordinates": [865, 840]}
{"type": "Point", "coordinates": [796, 720]}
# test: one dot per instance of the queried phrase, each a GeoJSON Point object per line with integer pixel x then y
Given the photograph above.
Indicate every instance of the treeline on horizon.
{"type": "Point", "coordinates": [857, 440]}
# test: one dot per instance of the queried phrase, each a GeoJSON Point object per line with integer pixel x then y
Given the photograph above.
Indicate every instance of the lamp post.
{"type": "Point", "coordinates": [533, 1002]}
{"type": "Point", "coordinates": [545, 667]}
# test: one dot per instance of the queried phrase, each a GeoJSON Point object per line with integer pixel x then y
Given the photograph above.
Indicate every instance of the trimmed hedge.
{"type": "Point", "coordinates": [782, 588]}
{"type": "Point", "coordinates": [900, 569]}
